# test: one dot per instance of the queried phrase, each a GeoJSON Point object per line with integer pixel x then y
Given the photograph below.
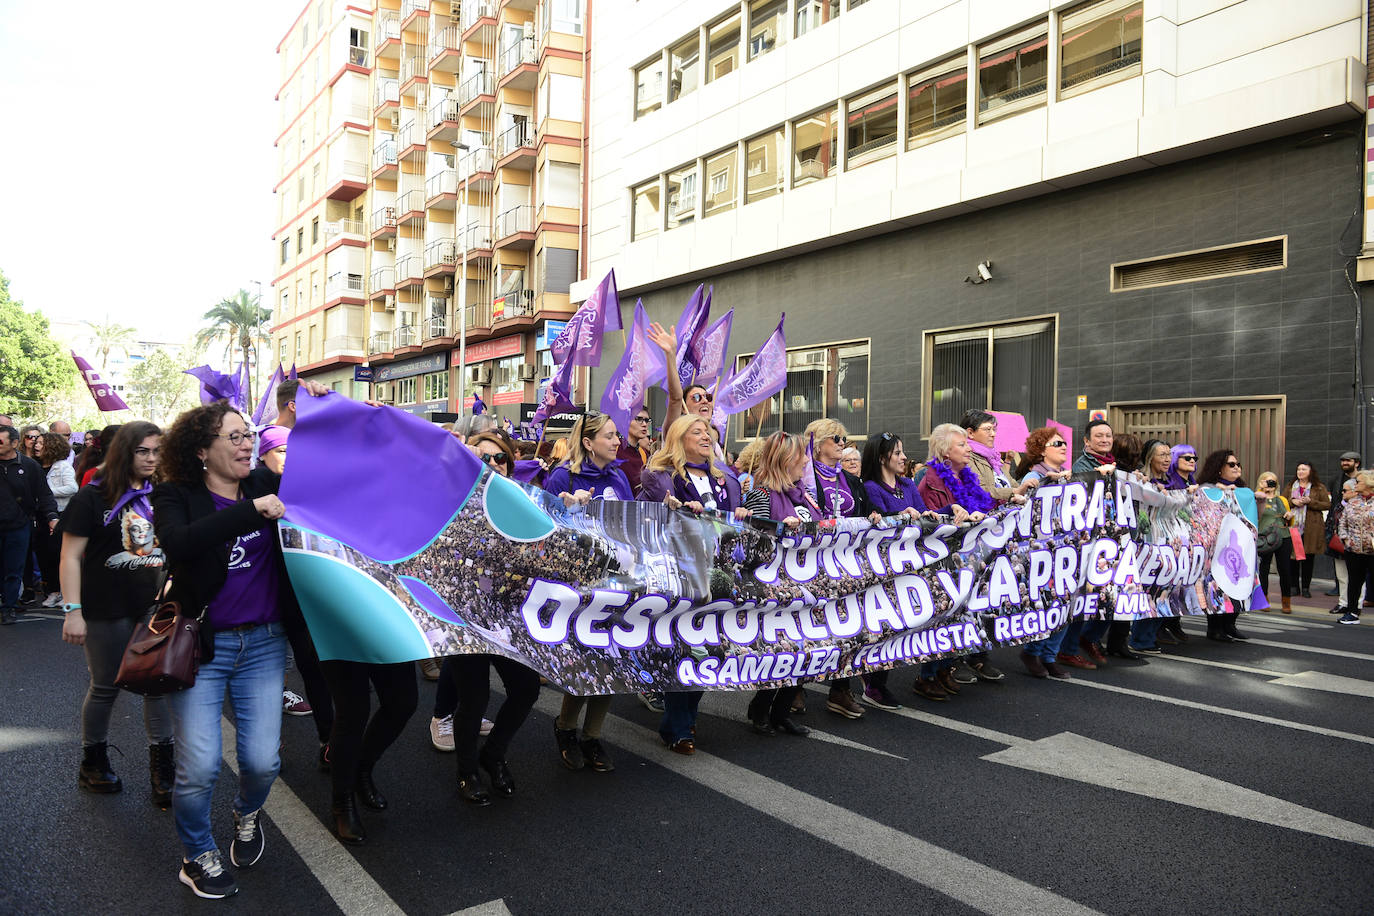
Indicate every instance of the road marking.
{"type": "Point", "coordinates": [1082, 759]}
{"type": "Point", "coordinates": [1334, 683]}
{"type": "Point", "coordinates": [845, 742]}
{"type": "Point", "coordinates": [16, 737]}
{"type": "Point", "coordinates": [1221, 710]}
{"type": "Point", "coordinates": [490, 908]}
{"type": "Point", "coordinates": [1211, 664]}
{"type": "Point", "coordinates": [1336, 653]}
{"type": "Point", "coordinates": [965, 880]}
{"type": "Point", "coordinates": [966, 728]}
{"type": "Point", "coordinates": [354, 891]}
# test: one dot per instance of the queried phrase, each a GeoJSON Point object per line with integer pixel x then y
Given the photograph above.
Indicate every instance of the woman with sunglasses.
{"type": "Point", "coordinates": [470, 676]}
{"type": "Point", "coordinates": [1309, 499]}
{"type": "Point", "coordinates": [1273, 519]}
{"type": "Point", "coordinates": [695, 400]}
{"type": "Point", "coordinates": [1221, 470]}
{"type": "Point", "coordinates": [684, 475]}
{"type": "Point", "coordinates": [589, 473]}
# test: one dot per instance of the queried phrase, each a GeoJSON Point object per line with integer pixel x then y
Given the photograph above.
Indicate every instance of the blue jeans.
{"type": "Point", "coordinates": [248, 666]}
{"type": "Point", "coordinates": [14, 553]}
{"type": "Point", "coordinates": [1047, 649]}
{"type": "Point", "coordinates": [1144, 632]}
{"type": "Point", "coordinates": [1068, 640]}
{"type": "Point", "coordinates": [679, 715]}
{"type": "Point", "coordinates": [1094, 630]}
{"type": "Point", "coordinates": [928, 670]}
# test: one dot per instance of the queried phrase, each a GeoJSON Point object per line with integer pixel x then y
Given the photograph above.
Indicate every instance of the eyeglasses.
{"type": "Point", "coordinates": [1187, 457]}
{"type": "Point", "coordinates": [1057, 443]}
{"type": "Point", "coordinates": [838, 440]}
{"type": "Point", "coordinates": [1233, 464]}
{"type": "Point", "coordinates": [496, 458]}
{"type": "Point", "coordinates": [698, 396]}
{"type": "Point", "coordinates": [142, 452]}
{"type": "Point", "coordinates": [642, 419]}
{"type": "Point", "coordinates": [237, 438]}
{"type": "Point", "coordinates": [987, 428]}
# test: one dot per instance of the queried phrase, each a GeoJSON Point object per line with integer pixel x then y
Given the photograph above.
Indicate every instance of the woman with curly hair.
{"type": "Point", "coordinates": [1221, 470]}
{"type": "Point", "coordinates": [1045, 461]}
{"type": "Point", "coordinates": [216, 520]}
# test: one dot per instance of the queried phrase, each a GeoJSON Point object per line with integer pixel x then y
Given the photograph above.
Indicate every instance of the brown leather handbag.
{"type": "Point", "coordinates": [162, 655]}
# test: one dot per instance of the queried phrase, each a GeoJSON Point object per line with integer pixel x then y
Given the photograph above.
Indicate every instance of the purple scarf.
{"type": "Point", "coordinates": [781, 505]}
{"type": "Point", "coordinates": [993, 457]}
{"type": "Point", "coordinates": [965, 488]}
{"type": "Point", "coordinates": [132, 497]}
{"type": "Point", "coordinates": [832, 491]}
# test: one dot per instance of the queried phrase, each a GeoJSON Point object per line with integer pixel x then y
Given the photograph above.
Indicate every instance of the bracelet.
{"type": "Point", "coordinates": [69, 607]}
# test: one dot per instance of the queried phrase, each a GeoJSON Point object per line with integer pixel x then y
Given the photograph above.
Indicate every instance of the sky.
{"type": "Point", "coordinates": [137, 166]}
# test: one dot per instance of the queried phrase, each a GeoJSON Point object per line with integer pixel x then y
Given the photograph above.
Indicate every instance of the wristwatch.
{"type": "Point", "coordinates": [68, 607]}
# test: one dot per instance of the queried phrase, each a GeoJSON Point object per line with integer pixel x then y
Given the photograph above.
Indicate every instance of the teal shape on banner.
{"type": "Point", "coordinates": [510, 511]}
{"type": "Point", "coordinates": [372, 623]}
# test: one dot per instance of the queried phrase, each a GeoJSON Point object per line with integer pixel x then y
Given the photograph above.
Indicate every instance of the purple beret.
{"type": "Point", "coordinates": [272, 437]}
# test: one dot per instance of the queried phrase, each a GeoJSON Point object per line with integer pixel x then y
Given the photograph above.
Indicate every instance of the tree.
{"type": "Point", "coordinates": [159, 388]}
{"type": "Point", "coordinates": [111, 336]}
{"type": "Point", "coordinates": [238, 318]}
{"type": "Point", "coordinates": [31, 362]}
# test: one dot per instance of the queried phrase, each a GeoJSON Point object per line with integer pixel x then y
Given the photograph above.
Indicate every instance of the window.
{"type": "Point", "coordinates": [357, 47]}
{"type": "Point", "coordinates": [682, 196]}
{"type": "Point", "coordinates": [505, 375]}
{"type": "Point", "coordinates": [822, 381]}
{"type": "Point", "coordinates": [1004, 367]}
{"type": "Point", "coordinates": [285, 310]}
{"type": "Point", "coordinates": [767, 26]}
{"type": "Point", "coordinates": [1012, 73]}
{"type": "Point", "coordinates": [405, 391]}
{"type": "Point", "coordinates": [763, 156]}
{"type": "Point", "coordinates": [563, 16]}
{"type": "Point", "coordinates": [300, 183]}
{"type": "Point", "coordinates": [281, 352]}
{"type": "Point", "coordinates": [300, 346]}
{"type": "Point", "coordinates": [937, 102]}
{"type": "Point", "coordinates": [1099, 43]}
{"type": "Point", "coordinates": [684, 63]}
{"type": "Point", "coordinates": [315, 231]}
{"type": "Point", "coordinates": [871, 128]}
{"type": "Point", "coordinates": [722, 42]}
{"type": "Point", "coordinates": [649, 87]}
{"type": "Point", "coordinates": [300, 240]}
{"type": "Point", "coordinates": [315, 180]}
{"type": "Point", "coordinates": [285, 249]}
{"type": "Point", "coordinates": [310, 344]}
{"type": "Point", "coordinates": [813, 13]}
{"type": "Point", "coordinates": [721, 171]}
{"type": "Point", "coordinates": [561, 185]}
{"type": "Point", "coordinates": [436, 386]}
{"type": "Point", "coordinates": [813, 147]}
{"type": "Point", "coordinates": [646, 218]}
{"type": "Point", "coordinates": [560, 97]}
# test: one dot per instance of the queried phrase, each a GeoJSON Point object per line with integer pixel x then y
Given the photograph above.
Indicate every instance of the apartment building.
{"type": "Point", "coordinates": [1144, 207]}
{"type": "Point", "coordinates": [458, 217]}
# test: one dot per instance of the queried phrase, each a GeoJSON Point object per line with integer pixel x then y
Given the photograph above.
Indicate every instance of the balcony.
{"type": "Point", "coordinates": [515, 305]}
{"type": "Point", "coordinates": [515, 146]}
{"type": "Point", "coordinates": [388, 31]}
{"type": "Point", "coordinates": [411, 8]}
{"type": "Point", "coordinates": [347, 179]}
{"type": "Point", "coordinates": [414, 68]}
{"type": "Point", "coordinates": [344, 286]}
{"type": "Point", "coordinates": [410, 206]}
{"type": "Point", "coordinates": [476, 89]}
{"type": "Point", "coordinates": [445, 50]}
{"type": "Point", "coordinates": [478, 238]}
{"type": "Point", "coordinates": [343, 346]}
{"type": "Point", "coordinates": [441, 190]}
{"type": "Point", "coordinates": [383, 222]}
{"type": "Point", "coordinates": [387, 92]}
{"type": "Point", "coordinates": [437, 326]}
{"type": "Point", "coordinates": [379, 343]}
{"type": "Point", "coordinates": [384, 156]}
{"type": "Point", "coordinates": [406, 336]}
{"type": "Point", "coordinates": [344, 229]}
{"type": "Point", "coordinates": [476, 169]}
{"type": "Point", "coordinates": [479, 20]}
{"type": "Point", "coordinates": [519, 64]}
{"type": "Point", "coordinates": [410, 139]}
{"type": "Point", "coordinates": [440, 256]}
{"type": "Point", "coordinates": [442, 120]}
{"type": "Point", "coordinates": [515, 228]}
{"type": "Point", "coordinates": [382, 281]}
{"type": "Point", "coordinates": [479, 316]}
{"type": "Point", "coordinates": [409, 270]}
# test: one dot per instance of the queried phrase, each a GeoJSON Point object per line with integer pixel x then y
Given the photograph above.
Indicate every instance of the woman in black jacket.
{"type": "Point", "coordinates": [216, 521]}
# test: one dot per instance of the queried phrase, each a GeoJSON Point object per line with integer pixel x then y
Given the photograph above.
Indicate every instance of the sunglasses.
{"type": "Point", "coordinates": [1057, 443]}
{"type": "Point", "coordinates": [1233, 464]}
{"type": "Point", "coordinates": [838, 440]}
{"type": "Point", "coordinates": [698, 396]}
{"type": "Point", "coordinates": [1187, 457]}
{"type": "Point", "coordinates": [496, 458]}
{"type": "Point", "coordinates": [30, 437]}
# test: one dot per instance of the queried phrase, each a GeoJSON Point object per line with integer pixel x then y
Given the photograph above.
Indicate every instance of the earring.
{"type": "Point", "coordinates": [203, 467]}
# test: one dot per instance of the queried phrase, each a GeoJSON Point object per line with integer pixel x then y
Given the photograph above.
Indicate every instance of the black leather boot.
{"type": "Point", "coordinates": [347, 824]}
{"type": "Point", "coordinates": [367, 790]}
{"type": "Point", "coordinates": [95, 774]}
{"type": "Point", "coordinates": [162, 771]}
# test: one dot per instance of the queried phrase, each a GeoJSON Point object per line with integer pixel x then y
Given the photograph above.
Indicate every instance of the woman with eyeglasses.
{"type": "Point", "coordinates": [111, 569]}
{"type": "Point", "coordinates": [589, 473]}
{"type": "Point", "coordinates": [470, 677]}
{"type": "Point", "coordinates": [683, 474]}
{"type": "Point", "coordinates": [1309, 499]}
{"type": "Point", "coordinates": [29, 439]}
{"type": "Point", "coordinates": [216, 519]}
{"type": "Point", "coordinates": [778, 496]}
{"type": "Point", "coordinates": [1045, 461]}
{"type": "Point", "coordinates": [634, 451]}
{"type": "Point", "coordinates": [986, 461]}
{"type": "Point", "coordinates": [1222, 470]}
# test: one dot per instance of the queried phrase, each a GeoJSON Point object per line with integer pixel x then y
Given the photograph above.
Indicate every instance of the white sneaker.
{"type": "Point", "coordinates": [487, 726]}
{"type": "Point", "coordinates": [441, 733]}
{"type": "Point", "coordinates": [53, 599]}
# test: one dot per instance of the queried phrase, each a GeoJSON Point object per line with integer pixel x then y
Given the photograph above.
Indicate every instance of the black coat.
{"type": "Point", "coordinates": [196, 538]}
{"type": "Point", "coordinates": [863, 506]}
{"type": "Point", "coordinates": [24, 496]}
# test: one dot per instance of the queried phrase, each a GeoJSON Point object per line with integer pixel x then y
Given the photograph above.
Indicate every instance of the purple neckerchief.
{"type": "Point", "coordinates": [685, 490]}
{"type": "Point", "coordinates": [137, 498]}
{"type": "Point", "coordinates": [993, 457]}
{"type": "Point", "coordinates": [527, 470]}
{"type": "Point", "coordinates": [794, 502]}
{"type": "Point", "coordinates": [832, 491]}
{"type": "Point", "coordinates": [1173, 480]}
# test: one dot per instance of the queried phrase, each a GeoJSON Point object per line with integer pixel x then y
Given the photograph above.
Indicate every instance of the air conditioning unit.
{"type": "Point", "coordinates": [391, 244]}
{"type": "Point", "coordinates": [525, 372]}
{"type": "Point", "coordinates": [448, 284]}
{"type": "Point", "coordinates": [479, 375]}
{"type": "Point", "coordinates": [381, 391]}
{"type": "Point", "coordinates": [389, 302]}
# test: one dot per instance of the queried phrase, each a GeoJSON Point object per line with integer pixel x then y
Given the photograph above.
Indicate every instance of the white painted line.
{"type": "Point", "coordinates": [828, 738]}
{"type": "Point", "coordinates": [490, 908]}
{"type": "Point", "coordinates": [965, 880]}
{"type": "Point", "coordinates": [966, 728]}
{"type": "Point", "coordinates": [1211, 664]}
{"type": "Point", "coordinates": [1084, 760]}
{"type": "Point", "coordinates": [16, 737]}
{"type": "Point", "coordinates": [1335, 653]}
{"type": "Point", "coordinates": [1334, 683]}
{"type": "Point", "coordinates": [353, 889]}
{"type": "Point", "coordinates": [1221, 710]}
{"type": "Point", "coordinates": [1252, 628]}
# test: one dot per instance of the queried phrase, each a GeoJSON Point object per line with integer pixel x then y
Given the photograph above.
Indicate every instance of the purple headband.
{"type": "Point", "coordinates": [272, 437]}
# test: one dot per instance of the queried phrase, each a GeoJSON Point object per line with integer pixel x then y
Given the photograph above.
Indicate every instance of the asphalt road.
{"type": "Point", "coordinates": [1221, 779]}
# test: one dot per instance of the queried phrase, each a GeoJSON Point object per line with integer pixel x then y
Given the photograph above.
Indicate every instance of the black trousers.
{"type": "Point", "coordinates": [1359, 565]}
{"type": "Point", "coordinates": [472, 676]}
{"type": "Point", "coordinates": [1302, 573]}
{"type": "Point", "coordinates": [357, 741]}
{"type": "Point", "coordinates": [772, 706]}
{"type": "Point", "coordinates": [1283, 559]}
{"type": "Point", "coordinates": [312, 679]}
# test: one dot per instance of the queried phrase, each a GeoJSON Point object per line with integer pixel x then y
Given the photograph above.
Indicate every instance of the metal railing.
{"type": "Point", "coordinates": [383, 218]}
{"type": "Point", "coordinates": [382, 278]}
{"type": "Point", "coordinates": [379, 343]}
{"type": "Point", "coordinates": [390, 28]}
{"type": "Point", "coordinates": [444, 40]}
{"type": "Point", "coordinates": [520, 51]}
{"type": "Point", "coordinates": [384, 154]}
{"type": "Point", "coordinates": [477, 160]}
{"type": "Point", "coordinates": [343, 285]}
{"type": "Point", "coordinates": [443, 110]}
{"type": "Point", "coordinates": [409, 268]}
{"type": "Point", "coordinates": [477, 9]}
{"type": "Point", "coordinates": [514, 137]}
{"type": "Point", "coordinates": [342, 345]}
{"type": "Point", "coordinates": [478, 236]}
{"type": "Point", "coordinates": [445, 182]}
{"type": "Point", "coordinates": [344, 227]}
{"type": "Point", "coordinates": [388, 90]}
{"type": "Point", "coordinates": [516, 219]}
{"type": "Point", "coordinates": [435, 327]}
{"type": "Point", "coordinates": [515, 305]}
{"type": "Point", "coordinates": [412, 67]}
{"type": "Point", "coordinates": [444, 251]}
{"type": "Point", "coordinates": [411, 202]}
{"type": "Point", "coordinates": [408, 136]}
{"type": "Point", "coordinates": [475, 85]}
{"type": "Point", "coordinates": [406, 336]}
{"type": "Point", "coordinates": [479, 315]}
{"type": "Point", "coordinates": [413, 6]}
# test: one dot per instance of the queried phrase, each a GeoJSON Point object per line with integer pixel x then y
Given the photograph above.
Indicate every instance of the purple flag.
{"type": "Point", "coordinates": [708, 351]}
{"type": "Point", "coordinates": [479, 406]}
{"type": "Point", "coordinates": [105, 397]}
{"type": "Point", "coordinates": [292, 373]}
{"type": "Point", "coordinates": [641, 366]}
{"type": "Point", "coordinates": [689, 327]}
{"type": "Point", "coordinates": [764, 377]}
{"type": "Point", "coordinates": [580, 342]}
{"type": "Point", "coordinates": [266, 412]}
{"type": "Point", "coordinates": [216, 386]}
{"type": "Point", "coordinates": [557, 395]}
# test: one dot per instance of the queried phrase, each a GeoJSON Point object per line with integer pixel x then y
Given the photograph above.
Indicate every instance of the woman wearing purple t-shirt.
{"type": "Point", "coordinates": [216, 521]}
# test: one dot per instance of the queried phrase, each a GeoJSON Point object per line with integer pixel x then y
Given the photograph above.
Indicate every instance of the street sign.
{"type": "Point", "coordinates": [362, 373]}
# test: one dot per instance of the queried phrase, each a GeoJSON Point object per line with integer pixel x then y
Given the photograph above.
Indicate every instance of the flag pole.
{"type": "Point", "coordinates": [759, 431]}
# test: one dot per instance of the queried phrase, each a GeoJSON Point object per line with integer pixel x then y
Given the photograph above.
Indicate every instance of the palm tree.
{"type": "Point", "coordinates": [110, 336]}
{"type": "Point", "coordinates": [238, 318]}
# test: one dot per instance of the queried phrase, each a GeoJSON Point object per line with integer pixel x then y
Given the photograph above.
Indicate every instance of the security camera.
{"type": "Point", "coordinates": [985, 270]}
